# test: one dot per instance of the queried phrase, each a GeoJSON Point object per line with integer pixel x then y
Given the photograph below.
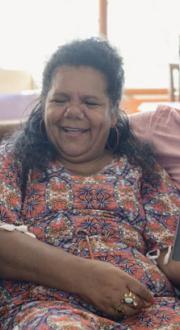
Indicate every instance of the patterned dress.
{"type": "Point", "coordinates": [122, 214]}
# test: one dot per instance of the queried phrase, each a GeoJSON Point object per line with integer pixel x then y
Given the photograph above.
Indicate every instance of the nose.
{"type": "Point", "coordinates": [74, 110]}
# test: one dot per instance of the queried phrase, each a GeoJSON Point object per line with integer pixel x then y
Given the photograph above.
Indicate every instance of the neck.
{"type": "Point", "coordinates": [88, 167]}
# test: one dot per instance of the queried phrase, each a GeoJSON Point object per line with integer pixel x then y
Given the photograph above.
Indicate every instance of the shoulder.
{"type": "Point", "coordinates": [124, 168]}
{"type": "Point", "coordinates": [8, 163]}
{"type": "Point", "coordinates": [5, 154]}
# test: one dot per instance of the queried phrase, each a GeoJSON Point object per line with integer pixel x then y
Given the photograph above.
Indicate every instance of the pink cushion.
{"type": "Point", "coordinates": [162, 129]}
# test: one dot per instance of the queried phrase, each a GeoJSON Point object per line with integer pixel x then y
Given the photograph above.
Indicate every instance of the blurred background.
{"type": "Point", "coordinates": [146, 32]}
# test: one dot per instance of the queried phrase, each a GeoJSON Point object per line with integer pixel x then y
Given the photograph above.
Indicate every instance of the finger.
{"type": "Point", "coordinates": [133, 301]}
{"type": "Point", "coordinates": [125, 310]}
{"type": "Point", "coordinates": [142, 292]}
{"type": "Point", "coordinates": [128, 304]}
{"type": "Point", "coordinates": [113, 312]}
{"type": "Point", "coordinates": [137, 302]}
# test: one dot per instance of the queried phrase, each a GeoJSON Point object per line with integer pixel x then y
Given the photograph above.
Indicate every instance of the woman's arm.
{"type": "Point", "coordinates": [171, 269]}
{"type": "Point", "coordinates": [100, 283]}
{"type": "Point", "coordinates": [161, 202]}
{"type": "Point", "coordinates": [25, 258]}
{"type": "Point", "coordinates": [169, 261]}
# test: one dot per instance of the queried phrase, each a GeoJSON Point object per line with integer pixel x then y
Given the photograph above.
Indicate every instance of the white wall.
{"type": "Point", "coordinates": [30, 30]}
{"type": "Point", "coordinates": [145, 31]}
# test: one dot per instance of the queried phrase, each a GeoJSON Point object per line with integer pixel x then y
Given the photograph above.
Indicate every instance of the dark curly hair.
{"type": "Point", "coordinates": [31, 145]}
{"type": "Point", "coordinates": [94, 52]}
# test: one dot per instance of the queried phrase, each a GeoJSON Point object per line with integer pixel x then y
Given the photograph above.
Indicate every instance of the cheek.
{"type": "Point", "coordinates": [99, 118]}
{"type": "Point", "coordinates": [52, 117]}
{"type": "Point", "coordinates": [49, 120]}
{"type": "Point", "coordinates": [50, 114]}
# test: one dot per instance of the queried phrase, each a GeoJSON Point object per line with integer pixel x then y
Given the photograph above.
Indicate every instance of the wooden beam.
{"type": "Point", "coordinates": [146, 91]}
{"type": "Point", "coordinates": [103, 18]}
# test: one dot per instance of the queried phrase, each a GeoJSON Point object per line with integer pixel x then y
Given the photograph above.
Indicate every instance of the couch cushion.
{"type": "Point", "coordinates": [17, 106]}
{"type": "Point", "coordinates": [162, 129]}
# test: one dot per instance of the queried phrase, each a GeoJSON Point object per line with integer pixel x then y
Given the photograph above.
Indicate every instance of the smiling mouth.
{"type": "Point", "coordinates": [74, 130]}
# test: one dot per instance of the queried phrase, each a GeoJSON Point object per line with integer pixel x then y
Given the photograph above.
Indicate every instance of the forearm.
{"type": "Point", "coordinates": [26, 258]}
{"type": "Point", "coordinates": [171, 269]}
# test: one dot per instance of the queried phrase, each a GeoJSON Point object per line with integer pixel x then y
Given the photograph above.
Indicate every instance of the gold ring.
{"type": "Point", "coordinates": [130, 299]}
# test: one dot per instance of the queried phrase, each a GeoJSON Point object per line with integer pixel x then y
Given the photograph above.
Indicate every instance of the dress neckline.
{"type": "Point", "coordinates": [109, 168]}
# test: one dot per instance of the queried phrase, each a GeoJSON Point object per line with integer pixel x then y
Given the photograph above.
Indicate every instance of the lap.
{"type": "Point", "coordinates": [47, 315]}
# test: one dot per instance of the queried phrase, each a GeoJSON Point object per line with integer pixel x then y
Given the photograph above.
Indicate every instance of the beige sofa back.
{"type": "Point", "coordinates": [15, 81]}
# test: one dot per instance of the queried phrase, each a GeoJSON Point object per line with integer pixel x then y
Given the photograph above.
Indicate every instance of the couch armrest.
{"type": "Point", "coordinates": [8, 127]}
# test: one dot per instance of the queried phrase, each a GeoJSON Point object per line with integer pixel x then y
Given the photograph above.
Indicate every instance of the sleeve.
{"type": "Point", "coordinates": [10, 191]}
{"type": "Point", "coordinates": [161, 202]}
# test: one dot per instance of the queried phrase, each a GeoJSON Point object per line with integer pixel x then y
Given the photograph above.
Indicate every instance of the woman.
{"type": "Point", "coordinates": [97, 203]}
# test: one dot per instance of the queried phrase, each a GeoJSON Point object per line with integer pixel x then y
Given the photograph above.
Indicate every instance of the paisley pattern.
{"type": "Point", "coordinates": [118, 212]}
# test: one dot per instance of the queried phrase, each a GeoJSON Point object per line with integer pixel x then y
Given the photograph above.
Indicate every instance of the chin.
{"type": "Point", "coordinates": [77, 157]}
{"type": "Point", "coordinates": [73, 152]}
{"type": "Point", "coordinates": [72, 156]}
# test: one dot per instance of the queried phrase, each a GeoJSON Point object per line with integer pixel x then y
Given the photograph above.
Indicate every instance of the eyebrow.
{"type": "Point", "coordinates": [60, 94]}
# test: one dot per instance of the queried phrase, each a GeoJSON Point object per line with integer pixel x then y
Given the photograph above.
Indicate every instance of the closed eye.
{"type": "Point", "coordinates": [58, 101]}
{"type": "Point", "coordinates": [91, 104]}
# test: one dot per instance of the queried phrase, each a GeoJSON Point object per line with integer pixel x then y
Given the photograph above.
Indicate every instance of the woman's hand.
{"type": "Point", "coordinates": [171, 269]}
{"type": "Point", "coordinates": [100, 283]}
{"type": "Point", "coordinates": [105, 286]}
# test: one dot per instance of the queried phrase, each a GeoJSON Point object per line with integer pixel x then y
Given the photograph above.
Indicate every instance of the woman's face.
{"type": "Point", "coordinates": [78, 113]}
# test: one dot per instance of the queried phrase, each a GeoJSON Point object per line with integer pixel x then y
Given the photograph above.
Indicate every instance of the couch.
{"type": "Point", "coordinates": [14, 108]}
{"type": "Point", "coordinates": [14, 81]}
{"type": "Point", "coordinates": [161, 127]}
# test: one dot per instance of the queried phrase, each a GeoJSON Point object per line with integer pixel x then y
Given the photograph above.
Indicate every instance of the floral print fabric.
{"type": "Point", "coordinates": [123, 215]}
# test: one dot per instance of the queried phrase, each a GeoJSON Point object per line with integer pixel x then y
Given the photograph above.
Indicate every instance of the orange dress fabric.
{"type": "Point", "coordinates": [123, 215]}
